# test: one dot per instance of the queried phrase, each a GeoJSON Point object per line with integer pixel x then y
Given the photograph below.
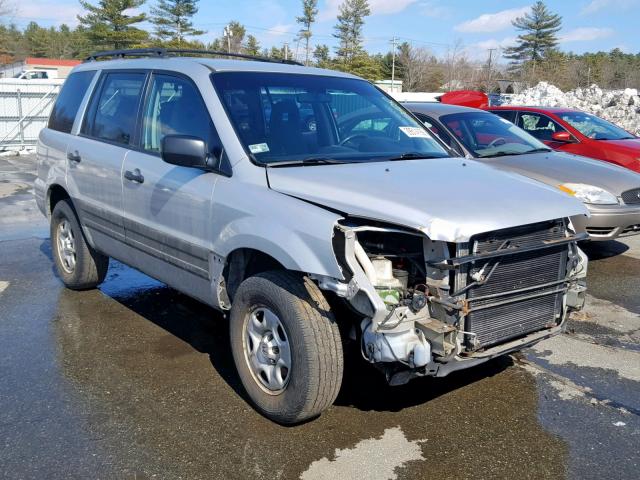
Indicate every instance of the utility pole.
{"type": "Point", "coordinates": [286, 50]}
{"type": "Point", "coordinates": [228, 33]}
{"type": "Point", "coordinates": [297, 48]}
{"type": "Point", "coordinates": [393, 62]}
{"type": "Point", "coordinates": [491, 50]}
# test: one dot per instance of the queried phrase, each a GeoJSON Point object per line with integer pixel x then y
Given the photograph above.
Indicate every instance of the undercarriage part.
{"type": "Point", "coordinates": [405, 344]}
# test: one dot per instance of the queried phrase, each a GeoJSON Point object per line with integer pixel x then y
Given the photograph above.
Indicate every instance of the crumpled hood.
{"type": "Point", "coordinates": [555, 168]}
{"type": "Point", "coordinates": [449, 199]}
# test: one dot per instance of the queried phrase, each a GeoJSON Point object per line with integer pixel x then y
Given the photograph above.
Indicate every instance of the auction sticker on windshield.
{"type": "Point", "coordinates": [414, 132]}
{"type": "Point", "coordinates": [259, 148]}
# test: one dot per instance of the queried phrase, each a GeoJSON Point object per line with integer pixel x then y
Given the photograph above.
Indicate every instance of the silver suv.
{"type": "Point", "coordinates": [282, 194]}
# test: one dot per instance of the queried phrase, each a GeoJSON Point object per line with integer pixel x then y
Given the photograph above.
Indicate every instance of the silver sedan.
{"type": "Point", "coordinates": [611, 193]}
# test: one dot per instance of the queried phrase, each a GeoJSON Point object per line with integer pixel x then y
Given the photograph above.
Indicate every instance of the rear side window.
{"type": "Point", "coordinates": [66, 108]}
{"type": "Point", "coordinates": [113, 111]}
{"type": "Point", "coordinates": [506, 114]}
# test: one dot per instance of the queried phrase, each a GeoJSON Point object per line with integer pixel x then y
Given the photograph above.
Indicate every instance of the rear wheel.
{"type": "Point", "coordinates": [79, 266]}
{"type": "Point", "coordinates": [286, 346]}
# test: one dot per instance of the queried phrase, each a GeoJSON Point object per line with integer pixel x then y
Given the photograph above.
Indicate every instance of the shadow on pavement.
{"type": "Point", "coordinates": [602, 250]}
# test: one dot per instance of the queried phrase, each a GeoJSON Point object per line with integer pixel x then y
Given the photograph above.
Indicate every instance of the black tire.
{"type": "Point", "coordinates": [90, 266]}
{"type": "Point", "coordinates": [315, 375]}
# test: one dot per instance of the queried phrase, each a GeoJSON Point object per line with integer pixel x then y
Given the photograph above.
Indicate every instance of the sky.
{"type": "Point", "coordinates": [476, 26]}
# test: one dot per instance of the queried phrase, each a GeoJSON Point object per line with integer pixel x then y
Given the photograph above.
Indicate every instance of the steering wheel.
{"type": "Point", "coordinates": [352, 137]}
{"type": "Point", "coordinates": [494, 142]}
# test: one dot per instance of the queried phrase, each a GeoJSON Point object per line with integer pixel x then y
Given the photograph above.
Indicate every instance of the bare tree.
{"type": "Point", "coordinates": [455, 59]}
{"type": "Point", "coordinates": [413, 64]}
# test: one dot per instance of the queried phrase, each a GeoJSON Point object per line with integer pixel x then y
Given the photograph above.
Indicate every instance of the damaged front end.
{"type": "Point", "coordinates": [432, 307]}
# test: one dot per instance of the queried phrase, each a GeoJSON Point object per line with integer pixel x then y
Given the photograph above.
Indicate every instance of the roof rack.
{"type": "Point", "coordinates": [175, 52]}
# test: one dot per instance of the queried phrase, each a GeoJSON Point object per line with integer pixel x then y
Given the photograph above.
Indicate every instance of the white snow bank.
{"type": "Point", "coordinates": [621, 107]}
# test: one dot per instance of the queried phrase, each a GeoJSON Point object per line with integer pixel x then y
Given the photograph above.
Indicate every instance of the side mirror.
{"type": "Point", "coordinates": [185, 151]}
{"type": "Point", "coordinates": [563, 137]}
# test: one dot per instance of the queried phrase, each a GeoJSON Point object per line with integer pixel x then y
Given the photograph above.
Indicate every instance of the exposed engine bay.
{"type": "Point", "coordinates": [431, 307]}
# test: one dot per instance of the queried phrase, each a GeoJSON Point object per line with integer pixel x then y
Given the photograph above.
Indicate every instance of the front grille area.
{"type": "Point", "coordinates": [631, 197]}
{"type": "Point", "coordinates": [522, 294]}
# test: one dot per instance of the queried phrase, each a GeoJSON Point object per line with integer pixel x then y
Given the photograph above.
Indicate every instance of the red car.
{"type": "Point", "coordinates": [565, 129]}
{"type": "Point", "coordinates": [577, 132]}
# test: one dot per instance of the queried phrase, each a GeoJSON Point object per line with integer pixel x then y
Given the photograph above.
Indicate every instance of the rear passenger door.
{"type": "Point", "coordinates": [168, 207]}
{"type": "Point", "coordinates": [96, 155]}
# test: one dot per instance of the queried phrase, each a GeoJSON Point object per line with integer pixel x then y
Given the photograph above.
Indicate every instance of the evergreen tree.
{"type": "Point", "coordinates": [234, 42]}
{"type": "Point", "coordinates": [38, 39]}
{"type": "Point", "coordinates": [107, 26]}
{"type": "Point", "coordinates": [276, 53]}
{"type": "Point", "coordinates": [349, 29]}
{"type": "Point", "coordinates": [321, 56]}
{"type": "Point", "coordinates": [253, 46]}
{"type": "Point", "coordinates": [539, 35]}
{"type": "Point", "coordinates": [309, 12]}
{"type": "Point", "coordinates": [172, 20]}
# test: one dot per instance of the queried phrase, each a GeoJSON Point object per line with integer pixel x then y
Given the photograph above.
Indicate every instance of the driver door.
{"type": "Point", "coordinates": [168, 208]}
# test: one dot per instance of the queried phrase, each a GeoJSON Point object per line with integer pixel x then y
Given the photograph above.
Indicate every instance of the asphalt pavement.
{"type": "Point", "coordinates": [136, 381]}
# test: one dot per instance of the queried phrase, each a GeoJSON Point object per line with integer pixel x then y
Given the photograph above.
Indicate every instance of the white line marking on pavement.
{"type": "Point", "coordinates": [373, 459]}
{"type": "Point", "coordinates": [3, 285]}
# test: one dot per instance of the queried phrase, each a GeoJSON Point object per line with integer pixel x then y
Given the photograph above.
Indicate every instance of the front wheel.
{"type": "Point", "coordinates": [286, 346]}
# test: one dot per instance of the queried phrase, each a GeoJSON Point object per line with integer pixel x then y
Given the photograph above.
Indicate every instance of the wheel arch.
{"type": "Point", "coordinates": [55, 193]}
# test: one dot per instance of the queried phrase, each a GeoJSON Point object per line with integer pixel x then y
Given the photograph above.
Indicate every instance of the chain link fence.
{"type": "Point", "coordinates": [24, 110]}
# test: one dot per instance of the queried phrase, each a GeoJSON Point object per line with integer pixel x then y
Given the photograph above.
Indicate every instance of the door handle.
{"type": "Point", "coordinates": [74, 156]}
{"type": "Point", "coordinates": [134, 176]}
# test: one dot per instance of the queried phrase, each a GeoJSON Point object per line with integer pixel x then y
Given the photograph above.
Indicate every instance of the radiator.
{"type": "Point", "coordinates": [524, 293]}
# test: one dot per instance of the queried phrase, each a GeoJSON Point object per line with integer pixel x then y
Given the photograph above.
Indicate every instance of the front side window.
{"type": "Point", "coordinates": [440, 132]}
{"type": "Point", "coordinates": [594, 127]}
{"type": "Point", "coordinates": [487, 135]}
{"type": "Point", "coordinates": [539, 126]}
{"type": "Point", "coordinates": [66, 108]}
{"type": "Point", "coordinates": [113, 113]}
{"type": "Point", "coordinates": [175, 107]}
{"type": "Point", "coordinates": [292, 117]}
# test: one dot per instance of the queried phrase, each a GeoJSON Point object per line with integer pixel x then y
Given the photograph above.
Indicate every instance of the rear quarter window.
{"type": "Point", "coordinates": [66, 107]}
{"type": "Point", "coordinates": [506, 114]}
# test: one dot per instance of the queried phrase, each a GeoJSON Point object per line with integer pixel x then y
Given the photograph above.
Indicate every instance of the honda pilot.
{"type": "Point", "coordinates": [281, 194]}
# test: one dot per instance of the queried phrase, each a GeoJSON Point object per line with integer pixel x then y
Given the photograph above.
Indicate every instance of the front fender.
{"type": "Point", "coordinates": [296, 233]}
{"type": "Point", "coordinates": [295, 250]}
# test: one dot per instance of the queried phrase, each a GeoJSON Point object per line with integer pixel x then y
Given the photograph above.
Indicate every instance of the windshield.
{"type": "Point", "coordinates": [291, 118]}
{"type": "Point", "coordinates": [488, 135]}
{"type": "Point", "coordinates": [594, 127]}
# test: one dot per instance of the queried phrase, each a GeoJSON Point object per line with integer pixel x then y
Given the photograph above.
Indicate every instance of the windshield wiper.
{"type": "Point", "coordinates": [620, 138]}
{"type": "Point", "coordinates": [505, 154]}
{"type": "Point", "coordinates": [307, 161]}
{"type": "Point", "coordinates": [536, 150]}
{"type": "Point", "coordinates": [497, 154]}
{"type": "Point", "coordinates": [409, 156]}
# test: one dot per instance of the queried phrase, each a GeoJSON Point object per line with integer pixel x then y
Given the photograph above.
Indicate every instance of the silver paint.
{"type": "Point", "coordinates": [555, 168]}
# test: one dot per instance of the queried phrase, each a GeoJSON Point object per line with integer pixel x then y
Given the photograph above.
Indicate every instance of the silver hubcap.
{"type": "Point", "coordinates": [266, 349]}
{"type": "Point", "coordinates": [66, 246]}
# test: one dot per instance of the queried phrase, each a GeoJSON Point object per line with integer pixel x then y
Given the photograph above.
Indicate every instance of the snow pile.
{"type": "Point", "coordinates": [621, 107]}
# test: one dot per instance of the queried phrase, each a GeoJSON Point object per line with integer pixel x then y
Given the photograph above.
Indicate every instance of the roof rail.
{"type": "Point", "coordinates": [168, 52]}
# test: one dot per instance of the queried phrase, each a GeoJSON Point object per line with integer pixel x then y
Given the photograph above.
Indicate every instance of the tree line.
{"type": "Point", "coordinates": [109, 24]}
